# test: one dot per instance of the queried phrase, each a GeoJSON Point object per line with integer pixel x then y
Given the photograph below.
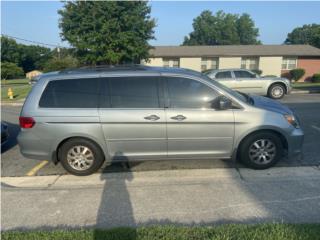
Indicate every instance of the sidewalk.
{"type": "Point", "coordinates": [187, 197]}
{"type": "Point", "coordinates": [13, 103]}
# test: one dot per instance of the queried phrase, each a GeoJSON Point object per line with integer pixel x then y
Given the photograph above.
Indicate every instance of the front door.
{"type": "Point", "coordinates": [132, 119]}
{"type": "Point", "coordinates": [194, 127]}
{"type": "Point", "coordinates": [247, 82]}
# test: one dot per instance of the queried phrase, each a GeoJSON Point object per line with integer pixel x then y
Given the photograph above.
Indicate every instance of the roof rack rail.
{"type": "Point", "coordinates": [106, 68]}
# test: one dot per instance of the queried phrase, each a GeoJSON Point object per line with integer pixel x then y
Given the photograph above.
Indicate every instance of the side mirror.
{"type": "Point", "coordinates": [224, 103]}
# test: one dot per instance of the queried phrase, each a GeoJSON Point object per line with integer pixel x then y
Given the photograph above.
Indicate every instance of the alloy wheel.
{"type": "Point", "coordinates": [262, 151]}
{"type": "Point", "coordinates": [80, 158]}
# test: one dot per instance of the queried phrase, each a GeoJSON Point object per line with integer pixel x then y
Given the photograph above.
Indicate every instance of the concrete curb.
{"type": "Point", "coordinates": [304, 91]}
{"type": "Point", "coordinates": [161, 177]}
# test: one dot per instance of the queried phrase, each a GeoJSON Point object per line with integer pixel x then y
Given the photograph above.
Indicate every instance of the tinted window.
{"type": "Point", "coordinates": [71, 93]}
{"type": "Point", "coordinates": [243, 74]}
{"type": "Point", "coordinates": [221, 75]}
{"type": "Point", "coordinates": [130, 92]}
{"type": "Point", "coordinates": [188, 93]}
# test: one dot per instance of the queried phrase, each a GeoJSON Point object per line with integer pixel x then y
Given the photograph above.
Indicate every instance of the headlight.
{"type": "Point", "coordinates": [292, 120]}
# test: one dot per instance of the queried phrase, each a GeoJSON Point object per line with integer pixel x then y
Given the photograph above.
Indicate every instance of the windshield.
{"type": "Point", "coordinates": [237, 95]}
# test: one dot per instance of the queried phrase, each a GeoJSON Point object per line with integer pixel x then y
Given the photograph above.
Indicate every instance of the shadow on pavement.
{"type": "Point", "coordinates": [112, 215]}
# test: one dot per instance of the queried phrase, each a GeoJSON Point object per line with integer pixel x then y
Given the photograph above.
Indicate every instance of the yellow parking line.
{"type": "Point", "coordinates": [36, 168]}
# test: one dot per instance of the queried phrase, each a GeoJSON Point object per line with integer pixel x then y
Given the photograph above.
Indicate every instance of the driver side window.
{"type": "Point", "coordinates": [189, 93]}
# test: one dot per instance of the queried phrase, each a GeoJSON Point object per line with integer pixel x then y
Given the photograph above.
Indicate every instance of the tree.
{"type": "Point", "coordinates": [108, 32]}
{"type": "Point", "coordinates": [307, 34]}
{"type": "Point", "coordinates": [10, 51]}
{"type": "Point", "coordinates": [10, 70]}
{"type": "Point", "coordinates": [29, 57]}
{"type": "Point", "coordinates": [33, 57]}
{"type": "Point", "coordinates": [247, 31]}
{"type": "Point", "coordinates": [57, 64]}
{"type": "Point", "coordinates": [222, 29]}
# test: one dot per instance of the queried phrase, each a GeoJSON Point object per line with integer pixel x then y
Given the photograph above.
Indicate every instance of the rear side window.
{"type": "Point", "coordinates": [221, 75]}
{"type": "Point", "coordinates": [71, 93]}
{"type": "Point", "coordinates": [130, 92]}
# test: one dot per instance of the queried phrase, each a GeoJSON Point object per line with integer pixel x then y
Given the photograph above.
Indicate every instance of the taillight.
{"type": "Point", "coordinates": [26, 122]}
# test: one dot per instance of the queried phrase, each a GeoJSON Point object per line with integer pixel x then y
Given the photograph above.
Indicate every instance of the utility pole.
{"type": "Point", "coordinates": [58, 50]}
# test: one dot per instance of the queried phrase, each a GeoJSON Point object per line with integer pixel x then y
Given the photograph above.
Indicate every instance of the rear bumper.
{"type": "Point", "coordinates": [32, 147]}
{"type": "Point", "coordinates": [295, 142]}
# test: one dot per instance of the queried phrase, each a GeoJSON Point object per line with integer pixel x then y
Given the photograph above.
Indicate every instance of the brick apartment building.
{"type": "Point", "coordinates": [275, 60]}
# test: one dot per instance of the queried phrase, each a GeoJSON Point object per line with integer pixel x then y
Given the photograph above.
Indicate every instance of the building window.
{"type": "Point", "coordinates": [250, 63]}
{"type": "Point", "coordinates": [289, 63]}
{"type": "Point", "coordinates": [171, 62]}
{"type": "Point", "coordinates": [209, 63]}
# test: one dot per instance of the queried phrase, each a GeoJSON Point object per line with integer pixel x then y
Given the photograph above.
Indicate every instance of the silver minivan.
{"type": "Point", "coordinates": [83, 117]}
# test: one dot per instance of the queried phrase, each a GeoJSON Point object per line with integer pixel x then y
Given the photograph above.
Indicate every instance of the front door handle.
{"type": "Point", "coordinates": [152, 118]}
{"type": "Point", "coordinates": [179, 118]}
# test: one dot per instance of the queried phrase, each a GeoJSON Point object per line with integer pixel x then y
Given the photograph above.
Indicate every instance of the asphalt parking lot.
{"type": "Point", "coordinates": [306, 106]}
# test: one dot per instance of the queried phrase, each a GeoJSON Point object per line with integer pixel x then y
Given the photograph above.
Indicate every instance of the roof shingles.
{"type": "Point", "coordinates": [235, 50]}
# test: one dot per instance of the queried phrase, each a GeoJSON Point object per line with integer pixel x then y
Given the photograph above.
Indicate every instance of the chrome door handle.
{"type": "Point", "coordinates": [152, 118]}
{"type": "Point", "coordinates": [179, 118]}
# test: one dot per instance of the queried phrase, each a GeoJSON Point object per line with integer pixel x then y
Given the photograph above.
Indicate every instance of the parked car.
{"type": "Point", "coordinates": [4, 133]}
{"type": "Point", "coordinates": [84, 117]}
{"type": "Point", "coordinates": [250, 82]}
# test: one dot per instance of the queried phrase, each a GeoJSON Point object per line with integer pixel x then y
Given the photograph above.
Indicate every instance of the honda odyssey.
{"type": "Point", "coordinates": [83, 117]}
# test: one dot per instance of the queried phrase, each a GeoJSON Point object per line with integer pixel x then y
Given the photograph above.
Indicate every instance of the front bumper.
{"type": "Point", "coordinates": [295, 142]}
{"type": "Point", "coordinates": [289, 89]}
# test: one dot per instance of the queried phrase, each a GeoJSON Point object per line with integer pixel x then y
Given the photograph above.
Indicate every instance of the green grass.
{"type": "Point", "coordinates": [223, 232]}
{"type": "Point", "coordinates": [20, 88]}
{"type": "Point", "coordinates": [14, 81]}
{"type": "Point", "coordinates": [301, 85]}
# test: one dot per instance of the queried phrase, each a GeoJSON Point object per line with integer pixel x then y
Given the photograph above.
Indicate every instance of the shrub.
{"type": "Point", "coordinates": [10, 70]}
{"type": "Point", "coordinates": [257, 71]}
{"type": "Point", "coordinates": [57, 64]}
{"type": "Point", "coordinates": [296, 74]}
{"type": "Point", "coordinates": [316, 78]}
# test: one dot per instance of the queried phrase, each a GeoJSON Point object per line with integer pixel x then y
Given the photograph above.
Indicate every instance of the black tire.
{"type": "Point", "coordinates": [98, 156]}
{"type": "Point", "coordinates": [276, 91]}
{"type": "Point", "coordinates": [250, 140]}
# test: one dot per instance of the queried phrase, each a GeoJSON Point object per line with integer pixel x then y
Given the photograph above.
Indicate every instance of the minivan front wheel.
{"type": "Point", "coordinates": [80, 157]}
{"type": "Point", "coordinates": [261, 150]}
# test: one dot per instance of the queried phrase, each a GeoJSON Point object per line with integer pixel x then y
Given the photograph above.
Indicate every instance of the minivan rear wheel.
{"type": "Point", "coordinates": [80, 156]}
{"type": "Point", "coordinates": [261, 150]}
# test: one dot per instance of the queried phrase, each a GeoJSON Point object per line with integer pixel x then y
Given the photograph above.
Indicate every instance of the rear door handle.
{"type": "Point", "coordinates": [152, 118]}
{"type": "Point", "coordinates": [179, 118]}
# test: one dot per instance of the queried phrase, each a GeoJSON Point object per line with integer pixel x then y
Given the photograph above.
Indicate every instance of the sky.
{"type": "Point", "coordinates": [38, 21]}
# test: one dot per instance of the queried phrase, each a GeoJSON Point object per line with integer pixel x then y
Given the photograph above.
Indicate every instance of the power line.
{"type": "Point", "coordinates": [35, 42]}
